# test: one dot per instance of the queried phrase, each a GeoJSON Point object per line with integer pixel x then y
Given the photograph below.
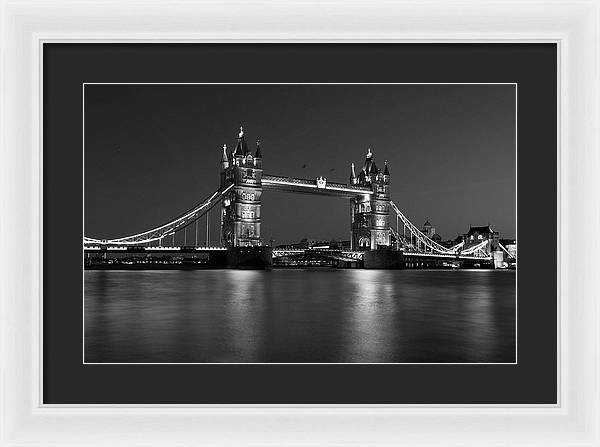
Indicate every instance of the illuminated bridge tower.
{"type": "Point", "coordinates": [370, 213]}
{"type": "Point", "coordinates": [240, 212]}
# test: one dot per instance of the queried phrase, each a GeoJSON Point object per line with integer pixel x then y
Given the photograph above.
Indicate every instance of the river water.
{"type": "Point", "coordinates": [300, 316]}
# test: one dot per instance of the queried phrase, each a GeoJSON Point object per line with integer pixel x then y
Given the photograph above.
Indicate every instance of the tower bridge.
{"type": "Point", "coordinates": [375, 241]}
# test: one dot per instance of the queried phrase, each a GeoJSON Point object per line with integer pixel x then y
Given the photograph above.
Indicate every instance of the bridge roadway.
{"type": "Point", "coordinates": [358, 255]}
{"type": "Point", "coordinates": [342, 255]}
{"type": "Point", "coordinates": [349, 255]}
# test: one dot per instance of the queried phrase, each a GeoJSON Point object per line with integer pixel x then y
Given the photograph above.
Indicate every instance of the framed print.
{"type": "Point", "coordinates": [217, 220]}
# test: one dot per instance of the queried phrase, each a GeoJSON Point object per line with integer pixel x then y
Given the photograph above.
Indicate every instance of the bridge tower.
{"type": "Point", "coordinates": [370, 213]}
{"type": "Point", "coordinates": [240, 211]}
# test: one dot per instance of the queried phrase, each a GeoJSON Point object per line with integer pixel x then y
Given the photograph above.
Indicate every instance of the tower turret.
{"type": "Point", "coordinates": [352, 174]}
{"type": "Point", "coordinates": [258, 153]}
{"type": "Point", "coordinates": [224, 158]}
{"type": "Point", "coordinates": [241, 148]}
{"type": "Point", "coordinates": [368, 166]}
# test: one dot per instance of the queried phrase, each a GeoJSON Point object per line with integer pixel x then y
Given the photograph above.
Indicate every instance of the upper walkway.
{"type": "Point", "coordinates": [317, 186]}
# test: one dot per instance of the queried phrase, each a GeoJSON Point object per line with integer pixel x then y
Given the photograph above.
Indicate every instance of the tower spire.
{"type": "Point", "coordinates": [241, 149]}
{"type": "Point", "coordinates": [224, 158]}
{"type": "Point", "coordinates": [352, 174]}
{"type": "Point", "coordinates": [386, 171]}
{"type": "Point", "coordinates": [258, 153]}
{"type": "Point", "coordinates": [369, 167]}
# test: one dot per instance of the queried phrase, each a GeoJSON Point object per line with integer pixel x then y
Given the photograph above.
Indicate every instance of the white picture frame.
{"type": "Point", "coordinates": [573, 25]}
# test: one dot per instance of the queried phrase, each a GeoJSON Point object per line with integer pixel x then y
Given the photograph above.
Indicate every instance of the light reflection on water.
{"type": "Point", "coordinates": [291, 316]}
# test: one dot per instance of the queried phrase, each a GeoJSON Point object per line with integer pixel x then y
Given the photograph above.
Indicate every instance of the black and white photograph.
{"type": "Point", "coordinates": [299, 223]}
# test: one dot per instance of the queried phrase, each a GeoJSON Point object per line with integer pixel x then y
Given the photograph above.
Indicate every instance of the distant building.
{"type": "Point", "coordinates": [340, 245]}
{"type": "Point", "coordinates": [476, 235]}
{"type": "Point", "coordinates": [480, 234]}
{"type": "Point", "coordinates": [452, 242]}
{"type": "Point", "coordinates": [305, 243]}
{"type": "Point", "coordinates": [429, 231]}
{"type": "Point", "coordinates": [511, 247]}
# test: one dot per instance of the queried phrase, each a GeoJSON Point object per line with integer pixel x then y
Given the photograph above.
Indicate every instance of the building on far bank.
{"type": "Point", "coordinates": [511, 247]}
{"type": "Point", "coordinates": [306, 243]}
{"type": "Point", "coordinates": [485, 233]}
{"type": "Point", "coordinates": [476, 235]}
{"type": "Point", "coordinates": [429, 231]}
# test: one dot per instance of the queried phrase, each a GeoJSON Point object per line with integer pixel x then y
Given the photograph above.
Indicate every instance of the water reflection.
{"type": "Point", "coordinates": [295, 316]}
{"type": "Point", "coordinates": [243, 315]}
{"type": "Point", "coordinates": [371, 332]}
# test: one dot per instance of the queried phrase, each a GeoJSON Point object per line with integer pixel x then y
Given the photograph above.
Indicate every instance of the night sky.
{"type": "Point", "coordinates": [153, 151]}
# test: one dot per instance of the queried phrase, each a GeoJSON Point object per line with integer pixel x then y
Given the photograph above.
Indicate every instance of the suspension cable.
{"type": "Point", "coordinates": [168, 229]}
{"type": "Point", "coordinates": [421, 237]}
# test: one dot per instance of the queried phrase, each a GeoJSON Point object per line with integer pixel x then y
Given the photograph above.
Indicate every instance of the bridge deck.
{"type": "Point", "coordinates": [346, 254]}
{"type": "Point", "coordinates": [359, 254]}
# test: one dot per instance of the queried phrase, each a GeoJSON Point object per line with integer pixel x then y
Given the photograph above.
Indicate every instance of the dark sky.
{"type": "Point", "coordinates": [153, 151]}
